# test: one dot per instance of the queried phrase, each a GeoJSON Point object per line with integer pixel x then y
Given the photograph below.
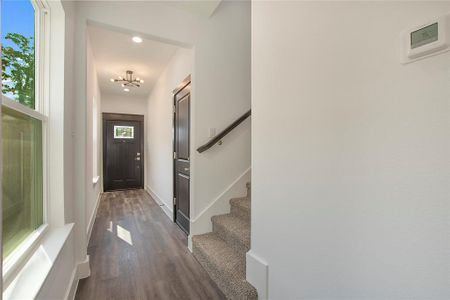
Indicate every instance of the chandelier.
{"type": "Point", "coordinates": [129, 80]}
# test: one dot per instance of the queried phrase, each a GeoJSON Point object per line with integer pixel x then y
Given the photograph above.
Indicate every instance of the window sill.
{"type": "Point", "coordinates": [28, 280]}
{"type": "Point", "coordinates": [14, 262]}
{"type": "Point", "coordinates": [95, 180]}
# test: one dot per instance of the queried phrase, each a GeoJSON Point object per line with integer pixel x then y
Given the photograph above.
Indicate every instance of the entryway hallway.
{"type": "Point", "coordinates": [136, 252]}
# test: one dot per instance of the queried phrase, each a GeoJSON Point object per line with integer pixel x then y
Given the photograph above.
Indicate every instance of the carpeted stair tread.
{"type": "Point", "coordinates": [233, 230]}
{"type": "Point", "coordinates": [225, 266]}
{"type": "Point", "coordinates": [240, 207]}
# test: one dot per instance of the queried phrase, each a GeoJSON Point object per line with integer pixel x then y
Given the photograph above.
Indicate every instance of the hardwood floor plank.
{"type": "Point", "coordinates": [136, 252]}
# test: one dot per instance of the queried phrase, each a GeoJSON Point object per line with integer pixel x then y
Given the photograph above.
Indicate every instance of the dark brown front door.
{"type": "Point", "coordinates": [123, 157]}
{"type": "Point", "coordinates": [181, 156]}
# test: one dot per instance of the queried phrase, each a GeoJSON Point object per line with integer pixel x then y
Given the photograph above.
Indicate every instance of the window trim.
{"type": "Point", "coordinates": [42, 86]}
{"type": "Point", "coordinates": [14, 262]}
{"type": "Point", "coordinates": [42, 50]}
{"type": "Point", "coordinates": [14, 105]}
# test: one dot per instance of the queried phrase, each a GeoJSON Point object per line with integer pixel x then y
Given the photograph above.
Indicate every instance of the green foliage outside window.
{"type": "Point", "coordinates": [18, 68]}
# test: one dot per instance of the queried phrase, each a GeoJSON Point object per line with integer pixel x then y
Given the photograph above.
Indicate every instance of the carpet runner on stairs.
{"type": "Point", "coordinates": [222, 252]}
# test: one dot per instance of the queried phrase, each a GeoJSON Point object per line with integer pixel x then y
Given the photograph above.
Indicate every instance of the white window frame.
{"type": "Point", "coordinates": [17, 259]}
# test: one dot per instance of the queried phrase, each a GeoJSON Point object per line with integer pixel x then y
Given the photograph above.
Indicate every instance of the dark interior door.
{"type": "Point", "coordinates": [181, 156]}
{"type": "Point", "coordinates": [122, 152]}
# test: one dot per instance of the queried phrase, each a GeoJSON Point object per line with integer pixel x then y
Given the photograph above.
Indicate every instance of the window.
{"type": "Point", "coordinates": [23, 122]}
{"type": "Point", "coordinates": [123, 132]}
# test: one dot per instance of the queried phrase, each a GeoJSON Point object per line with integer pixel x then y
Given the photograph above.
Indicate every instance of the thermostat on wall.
{"type": "Point", "coordinates": [427, 39]}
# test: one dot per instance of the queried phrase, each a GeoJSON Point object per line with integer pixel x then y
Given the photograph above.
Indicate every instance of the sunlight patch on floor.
{"type": "Point", "coordinates": [120, 232]}
{"type": "Point", "coordinates": [124, 234]}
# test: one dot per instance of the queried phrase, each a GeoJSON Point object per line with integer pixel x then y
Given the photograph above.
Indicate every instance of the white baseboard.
{"type": "Point", "coordinates": [81, 270]}
{"type": "Point", "coordinates": [190, 243]}
{"type": "Point", "coordinates": [258, 274]}
{"type": "Point", "coordinates": [167, 210]}
{"type": "Point", "coordinates": [92, 219]}
{"type": "Point", "coordinates": [202, 222]}
{"type": "Point", "coordinates": [72, 289]}
{"type": "Point", "coordinates": [84, 269]}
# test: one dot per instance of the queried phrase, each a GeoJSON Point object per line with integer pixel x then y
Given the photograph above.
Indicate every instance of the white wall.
{"type": "Point", "coordinates": [125, 104]}
{"type": "Point", "coordinates": [221, 94]}
{"type": "Point", "coordinates": [350, 152]}
{"type": "Point", "coordinates": [69, 27]}
{"type": "Point", "coordinates": [80, 117]}
{"type": "Point", "coordinates": [94, 103]}
{"type": "Point", "coordinates": [159, 160]}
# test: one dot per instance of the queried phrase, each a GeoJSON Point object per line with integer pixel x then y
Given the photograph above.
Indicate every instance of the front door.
{"type": "Point", "coordinates": [182, 100]}
{"type": "Point", "coordinates": [123, 155]}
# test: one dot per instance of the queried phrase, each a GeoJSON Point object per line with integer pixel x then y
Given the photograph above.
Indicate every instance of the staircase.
{"type": "Point", "coordinates": [222, 251]}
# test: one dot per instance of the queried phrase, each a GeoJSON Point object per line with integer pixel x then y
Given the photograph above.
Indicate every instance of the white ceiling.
{"type": "Point", "coordinates": [115, 53]}
{"type": "Point", "coordinates": [203, 8]}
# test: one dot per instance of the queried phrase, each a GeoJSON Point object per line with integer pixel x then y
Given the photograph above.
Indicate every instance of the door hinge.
{"type": "Point", "coordinates": [174, 109]}
{"type": "Point", "coordinates": [174, 200]}
{"type": "Point", "coordinates": [174, 155]}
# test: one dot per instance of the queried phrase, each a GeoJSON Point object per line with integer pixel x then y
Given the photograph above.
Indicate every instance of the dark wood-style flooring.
{"type": "Point", "coordinates": [136, 252]}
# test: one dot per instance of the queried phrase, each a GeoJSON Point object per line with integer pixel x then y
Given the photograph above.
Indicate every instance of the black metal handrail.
{"type": "Point", "coordinates": [224, 132]}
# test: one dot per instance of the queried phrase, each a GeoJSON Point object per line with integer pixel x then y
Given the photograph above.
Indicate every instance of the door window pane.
{"type": "Point", "coordinates": [18, 51]}
{"type": "Point", "coordinates": [22, 177]}
{"type": "Point", "coordinates": [123, 132]}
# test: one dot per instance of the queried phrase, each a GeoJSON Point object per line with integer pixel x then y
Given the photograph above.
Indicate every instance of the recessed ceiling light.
{"type": "Point", "coordinates": [126, 90]}
{"type": "Point", "coordinates": [137, 39]}
{"type": "Point", "coordinates": [112, 80]}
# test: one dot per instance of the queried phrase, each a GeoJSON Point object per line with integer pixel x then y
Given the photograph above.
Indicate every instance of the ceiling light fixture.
{"type": "Point", "coordinates": [128, 81]}
{"type": "Point", "coordinates": [137, 39]}
{"type": "Point", "coordinates": [126, 90]}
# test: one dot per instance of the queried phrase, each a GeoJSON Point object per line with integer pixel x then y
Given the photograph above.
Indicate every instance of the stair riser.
{"type": "Point", "coordinates": [240, 212]}
{"type": "Point", "coordinates": [216, 275]}
{"type": "Point", "coordinates": [231, 240]}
